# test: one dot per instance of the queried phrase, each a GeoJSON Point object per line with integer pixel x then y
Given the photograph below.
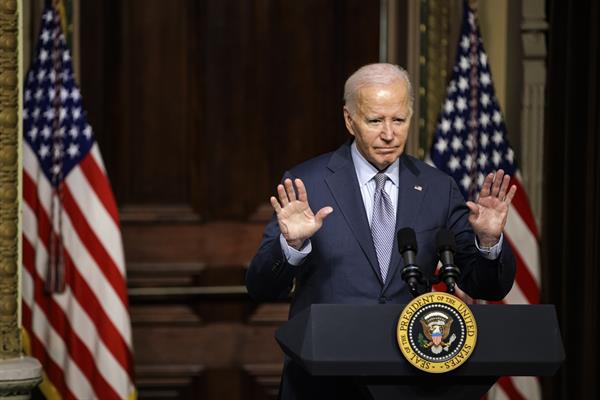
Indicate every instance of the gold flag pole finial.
{"type": "Point", "coordinates": [59, 6]}
{"type": "Point", "coordinates": [473, 4]}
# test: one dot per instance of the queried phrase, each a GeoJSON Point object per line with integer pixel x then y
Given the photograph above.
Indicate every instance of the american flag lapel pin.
{"type": "Point", "coordinates": [419, 188]}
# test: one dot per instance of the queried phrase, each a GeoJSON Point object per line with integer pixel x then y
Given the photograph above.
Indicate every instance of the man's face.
{"type": "Point", "coordinates": [380, 122]}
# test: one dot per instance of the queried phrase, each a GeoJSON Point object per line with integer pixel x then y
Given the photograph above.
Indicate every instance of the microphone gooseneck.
{"type": "Point", "coordinates": [446, 248]}
{"type": "Point", "coordinates": [411, 273]}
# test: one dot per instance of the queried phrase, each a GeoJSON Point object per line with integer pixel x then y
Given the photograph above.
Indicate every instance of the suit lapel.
{"type": "Point", "coordinates": [343, 185]}
{"type": "Point", "coordinates": [411, 192]}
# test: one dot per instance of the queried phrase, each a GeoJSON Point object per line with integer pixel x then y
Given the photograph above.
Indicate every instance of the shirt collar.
{"type": "Point", "coordinates": [365, 171]}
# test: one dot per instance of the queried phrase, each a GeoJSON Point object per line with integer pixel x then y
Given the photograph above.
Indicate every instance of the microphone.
{"type": "Point", "coordinates": [446, 247]}
{"type": "Point", "coordinates": [411, 273]}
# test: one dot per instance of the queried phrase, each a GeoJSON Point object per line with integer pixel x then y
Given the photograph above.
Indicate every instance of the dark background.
{"type": "Point", "coordinates": [199, 107]}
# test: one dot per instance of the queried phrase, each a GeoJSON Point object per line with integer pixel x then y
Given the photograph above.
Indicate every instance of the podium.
{"type": "Point", "coordinates": [359, 341]}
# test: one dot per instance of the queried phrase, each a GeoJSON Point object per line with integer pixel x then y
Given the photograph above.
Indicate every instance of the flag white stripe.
{"type": "Point", "coordinates": [55, 347]}
{"type": "Point", "coordinates": [27, 287]}
{"type": "Point", "coordinates": [524, 241]}
{"type": "Point", "coordinates": [527, 386]}
{"type": "Point", "coordinates": [104, 226]}
{"type": "Point", "coordinates": [30, 162]}
{"type": "Point", "coordinates": [29, 224]}
{"type": "Point", "coordinates": [95, 152]}
{"type": "Point", "coordinates": [497, 393]}
{"type": "Point", "coordinates": [516, 296]}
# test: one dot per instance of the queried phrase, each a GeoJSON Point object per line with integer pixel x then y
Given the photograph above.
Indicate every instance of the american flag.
{"type": "Point", "coordinates": [75, 307]}
{"type": "Point", "coordinates": [470, 141]}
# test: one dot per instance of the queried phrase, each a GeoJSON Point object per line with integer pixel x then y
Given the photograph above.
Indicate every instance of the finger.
{"type": "Point", "coordinates": [487, 183]}
{"type": "Point", "coordinates": [275, 204]}
{"type": "Point", "coordinates": [511, 194]}
{"type": "Point", "coordinates": [497, 182]}
{"type": "Point", "coordinates": [323, 213]}
{"type": "Point", "coordinates": [283, 199]}
{"type": "Point", "coordinates": [473, 208]}
{"type": "Point", "coordinates": [289, 189]}
{"type": "Point", "coordinates": [504, 187]}
{"type": "Point", "coordinates": [302, 196]}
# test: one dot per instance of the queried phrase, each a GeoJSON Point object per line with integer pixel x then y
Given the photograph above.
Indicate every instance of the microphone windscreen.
{"type": "Point", "coordinates": [407, 240]}
{"type": "Point", "coordinates": [444, 240]}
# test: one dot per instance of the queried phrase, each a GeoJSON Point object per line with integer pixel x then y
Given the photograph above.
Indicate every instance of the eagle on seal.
{"type": "Point", "coordinates": [436, 331]}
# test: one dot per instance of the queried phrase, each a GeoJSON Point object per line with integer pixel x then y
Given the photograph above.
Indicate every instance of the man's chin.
{"type": "Point", "coordinates": [386, 161]}
{"type": "Point", "coordinates": [383, 164]}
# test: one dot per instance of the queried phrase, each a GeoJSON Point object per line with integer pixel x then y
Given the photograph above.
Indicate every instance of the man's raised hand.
{"type": "Point", "coordinates": [488, 214]}
{"type": "Point", "coordinates": [296, 220]}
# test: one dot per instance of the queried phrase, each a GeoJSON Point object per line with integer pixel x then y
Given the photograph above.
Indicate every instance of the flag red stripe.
{"type": "Point", "coordinates": [95, 248]}
{"type": "Point", "coordinates": [509, 388]}
{"type": "Point", "coordinates": [52, 370]}
{"type": "Point", "coordinates": [520, 204]}
{"type": "Point", "coordinates": [28, 259]}
{"type": "Point", "coordinates": [29, 191]}
{"type": "Point", "coordinates": [85, 296]}
{"type": "Point", "coordinates": [524, 278]}
{"type": "Point", "coordinates": [99, 182]}
{"type": "Point", "coordinates": [31, 199]}
{"type": "Point", "coordinates": [78, 351]}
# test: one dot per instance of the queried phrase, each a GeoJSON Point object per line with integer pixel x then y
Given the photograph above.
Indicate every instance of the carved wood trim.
{"type": "Point", "coordinates": [10, 141]}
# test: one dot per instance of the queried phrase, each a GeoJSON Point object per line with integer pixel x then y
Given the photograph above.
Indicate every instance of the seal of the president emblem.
{"type": "Point", "coordinates": [437, 332]}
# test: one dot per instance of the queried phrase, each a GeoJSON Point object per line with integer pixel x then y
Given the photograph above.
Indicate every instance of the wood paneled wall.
{"type": "Point", "coordinates": [199, 106]}
{"type": "Point", "coordinates": [203, 104]}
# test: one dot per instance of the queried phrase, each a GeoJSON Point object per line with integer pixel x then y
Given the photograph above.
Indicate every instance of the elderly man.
{"type": "Point", "coordinates": [363, 193]}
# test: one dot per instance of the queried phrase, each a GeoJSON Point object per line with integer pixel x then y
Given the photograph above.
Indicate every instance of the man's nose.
{"type": "Point", "coordinates": [387, 131]}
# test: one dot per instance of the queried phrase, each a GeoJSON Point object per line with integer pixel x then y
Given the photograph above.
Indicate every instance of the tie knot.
{"type": "Point", "coordinates": [380, 180]}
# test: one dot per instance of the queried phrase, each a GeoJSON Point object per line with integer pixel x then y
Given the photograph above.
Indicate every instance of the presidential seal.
{"type": "Point", "coordinates": [437, 332]}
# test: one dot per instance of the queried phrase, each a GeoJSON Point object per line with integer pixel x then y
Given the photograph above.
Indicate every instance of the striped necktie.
{"type": "Point", "coordinates": [383, 224]}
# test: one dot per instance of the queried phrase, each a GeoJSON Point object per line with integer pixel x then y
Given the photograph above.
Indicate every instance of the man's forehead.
{"type": "Point", "coordinates": [381, 91]}
{"type": "Point", "coordinates": [383, 95]}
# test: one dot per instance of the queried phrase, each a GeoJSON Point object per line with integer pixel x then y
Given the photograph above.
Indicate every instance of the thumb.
{"type": "Point", "coordinates": [323, 213]}
{"type": "Point", "coordinates": [474, 208]}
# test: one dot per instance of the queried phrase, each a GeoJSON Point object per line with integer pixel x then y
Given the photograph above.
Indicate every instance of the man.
{"type": "Point", "coordinates": [365, 192]}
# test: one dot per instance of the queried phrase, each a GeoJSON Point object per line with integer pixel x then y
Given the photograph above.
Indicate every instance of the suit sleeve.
{"type": "Point", "coordinates": [269, 276]}
{"type": "Point", "coordinates": [480, 278]}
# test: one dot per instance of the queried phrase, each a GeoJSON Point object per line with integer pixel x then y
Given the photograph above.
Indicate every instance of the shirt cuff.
{"type": "Point", "coordinates": [491, 253]}
{"type": "Point", "coordinates": [292, 256]}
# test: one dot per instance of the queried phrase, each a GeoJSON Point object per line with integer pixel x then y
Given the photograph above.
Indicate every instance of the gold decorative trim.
{"type": "Point", "coordinates": [10, 345]}
{"type": "Point", "coordinates": [433, 60]}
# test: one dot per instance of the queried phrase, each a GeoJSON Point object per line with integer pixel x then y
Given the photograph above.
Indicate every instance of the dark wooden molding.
{"type": "Point", "coordinates": [270, 313]}
{"type": "Point", "coordinates": [142, 274]}
{"type": "Point", "coordinates": [158, 213]}
{"type": "Point", "coordinates": [167, 381]}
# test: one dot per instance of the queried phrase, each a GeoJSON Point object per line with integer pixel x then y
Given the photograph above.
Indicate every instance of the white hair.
{"type": "Point", "coordinates": [375, 74]}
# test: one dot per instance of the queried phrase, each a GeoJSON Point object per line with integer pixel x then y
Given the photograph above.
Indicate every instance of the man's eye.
{"type": "Point", "coordinates": [374, 121]}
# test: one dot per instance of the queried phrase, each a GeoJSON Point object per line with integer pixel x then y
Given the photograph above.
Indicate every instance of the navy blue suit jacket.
{"type": "Point", "coordinates": [343, 266]}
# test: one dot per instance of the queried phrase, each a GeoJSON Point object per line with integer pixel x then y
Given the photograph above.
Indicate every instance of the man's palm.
{"type": "Point", "coordinates": [296, 220]}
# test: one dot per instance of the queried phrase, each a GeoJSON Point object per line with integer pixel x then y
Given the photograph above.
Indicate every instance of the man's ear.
{"type": "Point", "coordinates": [348, 120]}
